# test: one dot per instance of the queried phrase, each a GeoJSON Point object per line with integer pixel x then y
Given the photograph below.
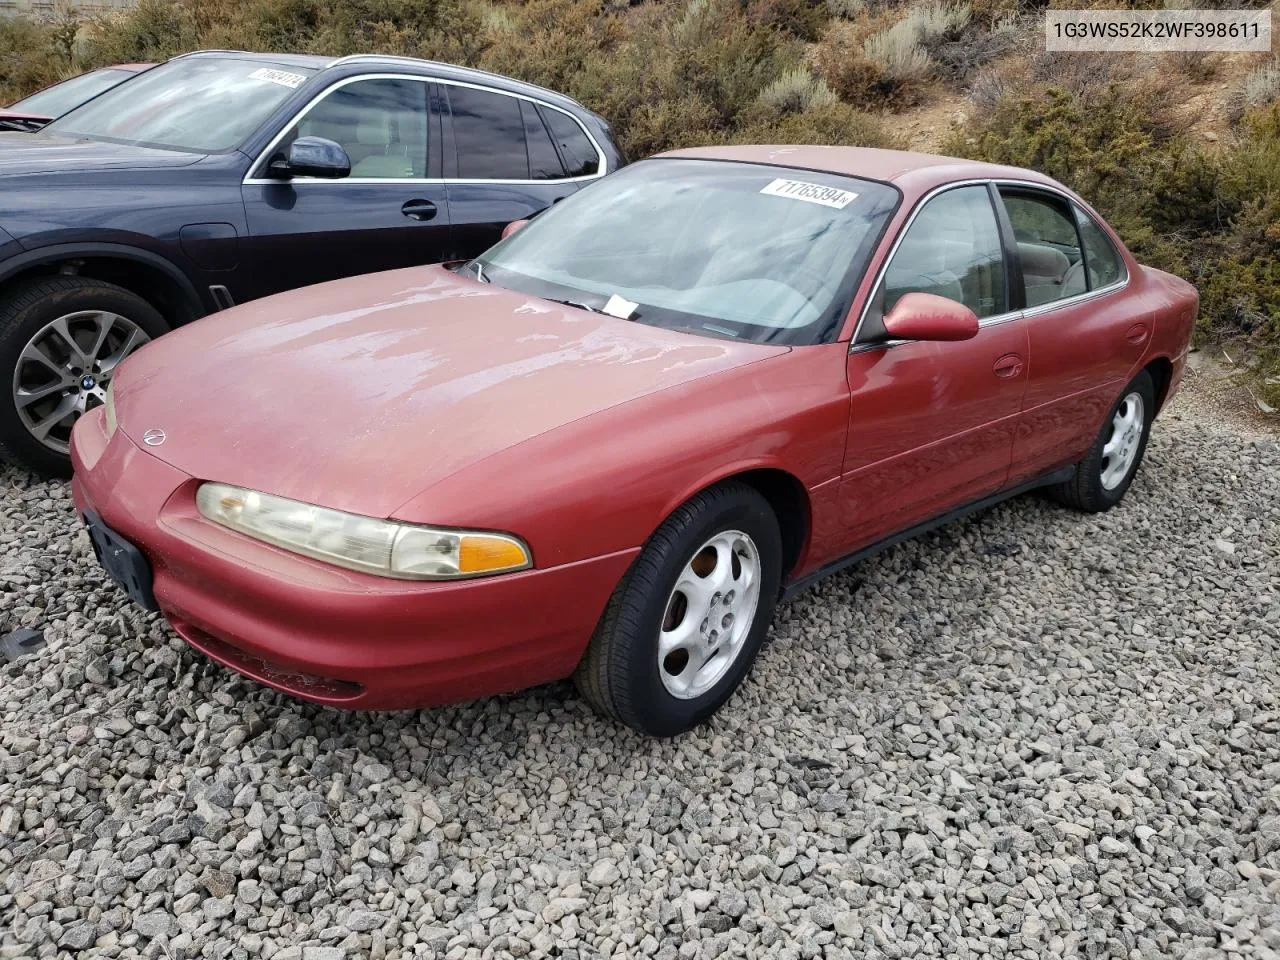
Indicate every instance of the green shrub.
{"type": "Point", "coordinates": [796, 91]}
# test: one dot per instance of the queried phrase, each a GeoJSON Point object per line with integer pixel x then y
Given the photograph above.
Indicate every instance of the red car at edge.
{"type": "Point", "coordinates": [605, 448]}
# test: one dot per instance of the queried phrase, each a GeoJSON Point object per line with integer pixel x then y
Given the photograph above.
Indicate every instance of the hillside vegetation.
{"type": "Point", "coordinates": [671, 73]}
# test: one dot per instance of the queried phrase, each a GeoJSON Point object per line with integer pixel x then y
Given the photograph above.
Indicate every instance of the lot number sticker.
{"type": "Point", "coordinates": [282, 77]}
{"type": "Point", "coordinates": [810, 193]}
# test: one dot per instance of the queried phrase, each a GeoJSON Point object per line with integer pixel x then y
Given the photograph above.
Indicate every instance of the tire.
{"type": "Point", "coordinates": [1100, 483]}
{"type": "Point", "coordinates": [726, 531]}
{"type": "Point", "coordinates": [84, 306]}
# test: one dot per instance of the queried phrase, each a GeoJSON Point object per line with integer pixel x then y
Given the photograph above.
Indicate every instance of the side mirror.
{"type": "Point", "coordinates": [925, 316]}
{"type": "Point", "coordinates": [313, 157]}
{"type": "Point", "coordinates": [513, 227]}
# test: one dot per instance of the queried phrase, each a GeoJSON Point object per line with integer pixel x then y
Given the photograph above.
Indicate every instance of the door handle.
{"type": "Point", "coordinates": [419, 209]}
{"type": "Point", "coordinates": [1137, 333]}
{"type": "Point", "coordinates": [1010, 365]}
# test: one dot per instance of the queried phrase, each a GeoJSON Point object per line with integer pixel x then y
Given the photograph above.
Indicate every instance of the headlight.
{"type": "Point", "coordinates": [109, 405]}
{"type": "Point", "coordinates": [381, 547]}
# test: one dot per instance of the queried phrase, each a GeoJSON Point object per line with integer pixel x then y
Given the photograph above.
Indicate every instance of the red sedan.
{"type": "Point", "coordinates": [609, 445]}
{"type": "Point", "coordinates": [45, 106]}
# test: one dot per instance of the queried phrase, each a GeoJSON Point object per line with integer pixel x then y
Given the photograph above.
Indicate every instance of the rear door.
{"type": "Point", "coordinates": [508, 157]}
{"type": "Point", "coordinates": [931, 424]}
{"type": "Point", "coordinates": [391, 211]}
{"type": "Point", "coordinates": [1083, 336]}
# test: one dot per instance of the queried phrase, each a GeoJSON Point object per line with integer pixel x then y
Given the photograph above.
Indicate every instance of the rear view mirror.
{"type": "Point", "coordinates": [513, 227]}
{"type": "Point", "coordinates": [926, 316]}
{"type": "Point", "coordinates": [313, 157]}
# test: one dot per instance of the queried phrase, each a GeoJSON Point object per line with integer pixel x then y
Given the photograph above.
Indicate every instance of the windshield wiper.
{"type": "Point", "coordinates": [479, 271]}
{"type": "Point", "coordinates": [575, 303]}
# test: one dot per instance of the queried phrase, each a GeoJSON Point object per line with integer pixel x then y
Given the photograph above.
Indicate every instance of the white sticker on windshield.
{"type": "Point", "coordinates": [810, 193]}
{"type": "Point", "coordinates": [282, 77]}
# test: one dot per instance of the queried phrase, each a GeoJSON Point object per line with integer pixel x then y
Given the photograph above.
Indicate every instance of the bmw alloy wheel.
{"type": "Point", "coordinates": [64, 371]}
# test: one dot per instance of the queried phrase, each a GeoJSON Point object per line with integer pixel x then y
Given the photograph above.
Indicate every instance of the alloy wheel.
{"type": "Point", "coordinates": [1121, 448]}
{"type": "Point", "coordinates": [709, 614]}
{"type": "Point", "coordinates": [65, 369]}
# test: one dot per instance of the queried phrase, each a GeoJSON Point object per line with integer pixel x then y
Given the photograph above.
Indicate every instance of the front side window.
{"type": "Point", "coordinates": [724, 249]}
{"type": "Point", "coordinates": [1048, 247]}
{"type": "Point", "coordinates": [488, 133]}
{"type": "Point", "coordinates": [1101, 260]}
{"type": "Point", "coordinates": [196, 105]}
{"type": "Point", "coordinates": [952, 249]}
{"type": "Point", "coordinates": [380, 123]}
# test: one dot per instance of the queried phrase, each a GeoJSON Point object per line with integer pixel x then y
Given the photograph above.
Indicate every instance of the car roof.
{"type": "Point", "coordinates": [913, 173]}
{"type": "Point", "coordinates": [283, 59]}
{"type": "Point", "coordinates": [433, 68]}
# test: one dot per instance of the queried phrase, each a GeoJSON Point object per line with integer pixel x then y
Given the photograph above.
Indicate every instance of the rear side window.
{"type": "Point", "coordinates": [544, 162]}
{"type": "Point", "coordinates": [489, 135]}
{"type": "Point", "coordinates": [1048, 247]}
{"type": "Point", "coordinates": [579, 155]}
{"type": "Point", "coordinates": [1100, 257]}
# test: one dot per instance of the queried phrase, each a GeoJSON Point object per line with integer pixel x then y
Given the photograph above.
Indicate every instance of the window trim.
{"type": "Point", "coordinates": [265, 154]}
{"type": "Point", "coordinates": [858, 347]}
{"type": "Point", "coordinates": [1065, 207]}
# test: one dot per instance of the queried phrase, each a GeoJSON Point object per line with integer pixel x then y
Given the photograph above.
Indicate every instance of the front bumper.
{"type": "Point", "coordinates": [327, 634]}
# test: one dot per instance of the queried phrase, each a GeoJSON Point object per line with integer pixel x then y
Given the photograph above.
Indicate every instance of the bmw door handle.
{"type": "Point", "coordinates": [419, 209]}
{"type": "Point", "coordinates": [1010, 365]}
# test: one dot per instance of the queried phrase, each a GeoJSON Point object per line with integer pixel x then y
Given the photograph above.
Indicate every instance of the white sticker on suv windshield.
{"type": "Point", "coordinates": [810, 193]}
{"type": "Point", "coordinates": [282, 77]}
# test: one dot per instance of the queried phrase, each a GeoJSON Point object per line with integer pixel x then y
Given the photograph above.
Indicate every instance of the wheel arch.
{"type": "Point", "coordinates": [146, 274]}
{"type": "Point", "coordinates": [1161, 371]}
{"type": "Point", "coordinates": [786, 496]}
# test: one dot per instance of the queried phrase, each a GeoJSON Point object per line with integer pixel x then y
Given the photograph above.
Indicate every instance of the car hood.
{"type": "Point", "coordinates": [361, 393]}
{"type": "Point", "coordinates": [27, 154]}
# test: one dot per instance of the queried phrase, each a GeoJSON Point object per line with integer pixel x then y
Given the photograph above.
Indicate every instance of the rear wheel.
{"type": "Point", "coordinates": [61, 340]}
{"type": "Point", "coordinates": [1104, 475]}
{"type": "Point", "coordinates": [683, 626]}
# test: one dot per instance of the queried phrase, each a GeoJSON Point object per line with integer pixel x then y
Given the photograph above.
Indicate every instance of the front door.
{"type": "Point", "coordinates": [391, 211]}
{"type": "Point", "coordinates": [932, 424]}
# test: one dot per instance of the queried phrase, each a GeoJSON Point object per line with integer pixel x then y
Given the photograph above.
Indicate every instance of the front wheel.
{"type": "Point", "coordinates": [1104, 475]}
{"type": "Point", "coordinates": [683, 627]}
{"type": "Point", "coordinates": [61, 340]}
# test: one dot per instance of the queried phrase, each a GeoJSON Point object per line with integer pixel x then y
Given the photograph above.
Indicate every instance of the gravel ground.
{"type": "Point", "coordinates": [1029, 734]}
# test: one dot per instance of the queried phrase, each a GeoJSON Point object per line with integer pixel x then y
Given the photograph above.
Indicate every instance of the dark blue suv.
{"type": "Point", "coordinates": [221, 177]}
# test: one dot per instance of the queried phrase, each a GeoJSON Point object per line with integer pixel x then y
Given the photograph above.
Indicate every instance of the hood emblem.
{"type": "Point", "coordinates": [153, 437]}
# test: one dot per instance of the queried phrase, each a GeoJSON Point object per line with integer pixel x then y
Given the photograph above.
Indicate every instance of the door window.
{"type": "Point", "coordinates": [952, 249]}
{"type": "Point", "coordinates": [1102, 262]}
{"type": "Point", "coordinates": [544, 162]}
{"type": "Point", "coordinates": [1048, 247]}
{"type": "Point", "coordinates": [489, 135]}
{"type": "Point", "coordinates": [577, 150]}
{"type": "Point", "coordinates": [381, 124]}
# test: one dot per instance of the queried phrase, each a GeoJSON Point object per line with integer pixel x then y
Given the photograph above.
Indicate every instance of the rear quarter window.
{"type": "Point", "coordinates": [576, 150]}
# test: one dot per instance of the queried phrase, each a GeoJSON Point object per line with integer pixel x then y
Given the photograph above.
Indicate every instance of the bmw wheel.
{"type": "Point", "coordinates": [61, 340]}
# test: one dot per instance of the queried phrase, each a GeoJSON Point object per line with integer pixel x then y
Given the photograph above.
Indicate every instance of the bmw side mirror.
{"type": "Point", "coordinates": [313, 157]}
{"type": "Point", "coordinates": [513, 227]}
{"type": "Point", "coordinates": [926, 316]}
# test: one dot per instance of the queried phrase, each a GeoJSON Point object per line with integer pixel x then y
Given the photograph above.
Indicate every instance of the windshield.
{"type": "Point", "coordinates": [749, 251]}
{"type": "Point", "coordinates": [61, 97]}
{"type": "Point", "coordinates": [200, 105]}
